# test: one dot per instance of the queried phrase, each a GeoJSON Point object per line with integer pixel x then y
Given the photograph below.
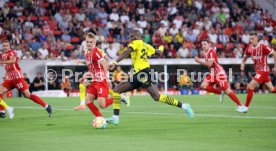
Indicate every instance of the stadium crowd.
{"type": "Point", "coordinates": [54, 29]}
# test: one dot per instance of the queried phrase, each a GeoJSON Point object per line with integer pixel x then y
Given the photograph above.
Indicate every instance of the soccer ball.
{"type": "Point", "coordinates": [99, 122]}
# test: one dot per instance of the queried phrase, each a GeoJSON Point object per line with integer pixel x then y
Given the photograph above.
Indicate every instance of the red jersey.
{"type": "Point", "coordinates": [259, 56]}
{"type": "Point", "coordinates": [216, 67]}
{"type": "Point", "coordinates": [13, 70]}
{"type": "Point", "coordinates": [93, 59]}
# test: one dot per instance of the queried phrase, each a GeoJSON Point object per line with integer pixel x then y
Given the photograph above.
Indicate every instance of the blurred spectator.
{"type": "Point", "coordinates": [174, 30]}
{"type": "Point", "coordinates": [185, 81]}
{"type": "Point", "coordinates": [111, 52]}
{"type": "Point", "coordinates": [213, 36]}
{"type": "Point", "coordinates": [245, 37]}
{"type": "Point", "coordinates": [190, 36]}
{"type": "Point", "coordinates": [183, 52]}
{"type": "Point", "coordinates": [264, 41]}
{"type": "Point", "coordinates": [66, 86]}
{"type": "Point", "coordinates": [38, 83]}
{"type": "Point", "coordinates": [114, 16]}
{"type": "Point", "coordinates": [27, 56]}
{"type": "Point", "coordinates": [142, 23]}
{"type": "Point", "coordinates": [62, 56]}
{"type": "Point", "coordinates": [240, 82]}
{"type": "Point", "coordinates": [34, 44]}
{"type": "Point", "coordinates": [118, 75]}
{"type": "Point", "coordinates": [66, 37]}
{"type": "Point", "coordinates": [19, 52]}
{"type": "Point", "coordinates": [44, 52]}
{"type": "Point", "coordinates": [222, 38]}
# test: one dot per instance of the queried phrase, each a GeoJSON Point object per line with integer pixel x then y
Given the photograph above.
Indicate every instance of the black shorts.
{"type": "Point", "coordinates": [142, 78]}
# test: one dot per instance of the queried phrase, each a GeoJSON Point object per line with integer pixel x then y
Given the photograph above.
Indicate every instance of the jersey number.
{"type": "Point", "coordinates": [101, 91]}
{"type": "Point", "coordinates": [144, 54]}
{"type": "Point", "coordinates": [19, 85]}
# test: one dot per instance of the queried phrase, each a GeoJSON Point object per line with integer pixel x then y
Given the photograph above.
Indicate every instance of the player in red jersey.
{"type": "Point", "coordinates": [15, 78]}
{"type": "Point", "coordinates": [259, 53]}
{"type": "Point", "coordinates": [98, 68]}
{"type": "Point", "coordinates": [217, 75]}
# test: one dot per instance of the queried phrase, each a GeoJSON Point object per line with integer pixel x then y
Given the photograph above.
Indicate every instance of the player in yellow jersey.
{"type": "Point", "coordinates": [139, 52]}
{"type": "Point", "coordinates": [7, 108]}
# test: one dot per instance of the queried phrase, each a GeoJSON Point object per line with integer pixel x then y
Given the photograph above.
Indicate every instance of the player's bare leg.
{"type": "Point", "coordinates": [90, 104]}
{"type": "Point", "coordinates": [250, 92]}
{"type": "Point", "coordinates": [210, 88]}
{"type": "Point", "coordinates": [270, 87]}
{"type": "Point", "coordinates": [104, 102]}
{"type": "Point", "coordinates": [38, 100]}
{"type": "Point", "coordinates": [154, 93]}
{"type": "Point", "coordinates": [5, 106]}
{"type": "Point", "coordinates": [122, 87]}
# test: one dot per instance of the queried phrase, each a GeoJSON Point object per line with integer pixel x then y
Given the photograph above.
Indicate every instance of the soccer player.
{"type": "Point", "coordinates": [82, 86]}
{"type": "Point", "coordinates": [16, 78]}
{"type": "Point", "coordinates": [217, 76]}
{"type": "Point", "coordinates": [4, 106]}
{"type": "Point", "coordinates": [139, 52]}
{"type": "Point", "coordinates": [82, 89]}
{"type": "Point", "coordinates": [98, 69]}
{"type": "Point", "coordinates": [259, 53]}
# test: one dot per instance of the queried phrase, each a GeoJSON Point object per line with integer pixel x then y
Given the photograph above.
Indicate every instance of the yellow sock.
{"type": "Point", "coordinates": [110, 91]}
{"type": "Point", "coordinates": [169, 100]}
{"type": "Point", "coordinates": [82, 89]}
{"type": "Point", "coordinates": [116, 100]}
{"type": "Point", "coordinates": [4, 104]}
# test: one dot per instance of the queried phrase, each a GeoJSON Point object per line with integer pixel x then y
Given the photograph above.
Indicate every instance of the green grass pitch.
{"type": "Point", "coordinates": [144, 126]}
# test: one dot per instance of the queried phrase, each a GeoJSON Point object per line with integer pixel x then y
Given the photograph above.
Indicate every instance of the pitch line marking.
{"type": "Point", "coordinates": [153, 113]}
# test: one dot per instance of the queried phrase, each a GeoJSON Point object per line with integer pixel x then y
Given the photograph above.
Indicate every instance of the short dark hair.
{"type": "Point", "coordinates": [135, 34]}
{"type": "Point", "coordinates": [5, 41]}
{"type": "Point", "coordinates": [253, 33]}
{"type": "Point", "coordinates": [207, 40]}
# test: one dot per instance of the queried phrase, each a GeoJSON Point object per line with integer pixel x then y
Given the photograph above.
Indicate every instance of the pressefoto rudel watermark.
{"type": "Point", "coordinates": [154, 76]}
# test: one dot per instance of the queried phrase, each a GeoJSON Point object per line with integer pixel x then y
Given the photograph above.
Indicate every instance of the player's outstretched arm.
{"type": "Point", "coordinates": [120, 58]}
{"type": "Point", "coordinates": [245, 57]}
{"type": "Point", "coordinates": [208, 63]}
{"type": "Point", "coordinates": [159, 50]}
{"type": "Point", "coordinates": [12, 60]}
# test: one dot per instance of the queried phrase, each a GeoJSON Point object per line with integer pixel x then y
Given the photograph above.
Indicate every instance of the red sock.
{"type": "Point", "coordinates": [234, 97]}
{"type": "Point", "coordinates": [108, 102]}
{"type": "Point", "coordinates": [213, 90]}
{"type": "Point", "coordinates": [1, 107]}
{"type": "Point", "coordinates": [94, 109]}
{"type": "Point", "coordinates": [37, 100]}
{"type": "Point", "coordinates": [249, 97]}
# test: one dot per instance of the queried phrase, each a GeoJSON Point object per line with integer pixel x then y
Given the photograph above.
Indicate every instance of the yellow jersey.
{"type": "Point", "coordinates": [140, 53]}
{"type": "Point", "coordinates": [184, 80]}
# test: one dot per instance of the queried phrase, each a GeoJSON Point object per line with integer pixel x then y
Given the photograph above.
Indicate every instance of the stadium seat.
{"type": "Point", "coordinates": [10, 4]}
{"type": "Point", "coordinates": [75, 40]}
{"type": "Point", "coordinates": [44, 18]}
{"type": "Point", "coordinates": [33, 18]}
